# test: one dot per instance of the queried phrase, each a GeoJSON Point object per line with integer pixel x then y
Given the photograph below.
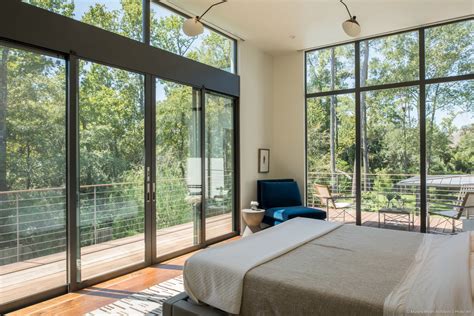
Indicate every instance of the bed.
{"type": "Point", "coordinates": [311, 267]}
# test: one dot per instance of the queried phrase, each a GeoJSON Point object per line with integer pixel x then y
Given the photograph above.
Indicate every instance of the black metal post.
{"type": "Point", "coordinates": [358, 136]}
{"type": "Point", "coordinates": [72, 174]}
{"type": "Point", "coordinates": [422, 103]}
{"type": "Point", "coordinates": [203, 167]}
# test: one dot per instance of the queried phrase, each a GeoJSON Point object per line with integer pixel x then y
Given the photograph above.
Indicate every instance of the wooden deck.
{"type": "Point", "coordinates": [437, 224]}
{"type": "Point", "coordinates": [22, 279]}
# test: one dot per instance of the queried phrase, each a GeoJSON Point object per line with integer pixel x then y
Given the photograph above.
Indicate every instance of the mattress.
{"type": "Point", "coordinates": [345, 270]}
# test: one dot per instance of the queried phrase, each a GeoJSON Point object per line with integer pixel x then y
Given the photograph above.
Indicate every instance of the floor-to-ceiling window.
{"type": "Point", "coordinates": [178, 167]}
{"type": "Point", "coordinates": [331, 126]}
{"type": "Point", "coordinates": [32, 173]}
{"type": "Point", "coordinates": [219, 165]}
{"type": "Point", "coordinates": [103, 160]}
{"type": "Point", "coordinates": [111, 169]}
{"type": "Point", "coordinates": [413, 106]}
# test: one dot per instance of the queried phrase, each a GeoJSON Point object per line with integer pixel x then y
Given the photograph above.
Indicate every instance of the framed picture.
{"type": "Point", "coordinates": [263, 160]}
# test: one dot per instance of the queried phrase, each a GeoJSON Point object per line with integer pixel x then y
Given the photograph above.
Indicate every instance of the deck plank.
{"type": "Point", "coordinates": [25, 278]}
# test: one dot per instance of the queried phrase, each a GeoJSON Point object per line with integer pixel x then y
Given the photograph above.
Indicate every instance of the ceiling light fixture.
{"type": "Point", "coordinates": [351, 26]}
{"type": "Point", "coordinates": [193, 26]}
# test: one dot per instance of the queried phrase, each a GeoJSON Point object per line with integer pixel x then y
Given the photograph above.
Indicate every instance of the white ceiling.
{"type": "Point", "coordinates": [271, 24]}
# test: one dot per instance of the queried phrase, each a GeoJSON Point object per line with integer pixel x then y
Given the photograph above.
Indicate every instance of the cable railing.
{"type": "Point", "coordinates": [33, 222]}
{"type": "Point", "coordinates": [391, 190]}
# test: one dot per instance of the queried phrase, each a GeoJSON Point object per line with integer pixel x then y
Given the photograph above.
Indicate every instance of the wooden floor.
{"type": "Point", "coordinates": [99, 295]}
{"type": "Point", "coordinates": [31, 276]}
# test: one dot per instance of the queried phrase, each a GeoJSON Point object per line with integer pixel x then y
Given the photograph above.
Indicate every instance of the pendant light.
{"type": "Point", "coordinates": [193, 26]}
{"type": "Point", "coordinates": [351, 27]}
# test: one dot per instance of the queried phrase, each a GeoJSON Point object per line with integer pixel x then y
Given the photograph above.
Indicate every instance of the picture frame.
{"type": "Point", "coordinates": [264, 160]}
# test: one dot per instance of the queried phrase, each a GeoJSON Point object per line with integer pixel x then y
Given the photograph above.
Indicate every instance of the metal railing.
{"type": "Point", "coordinates": [383, 190]}
{"type": "Point", "coordinates": [33, 222]}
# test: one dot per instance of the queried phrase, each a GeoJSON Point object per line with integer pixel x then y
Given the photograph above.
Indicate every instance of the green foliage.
{"type": "Point", "coordinates": [111, 138]}
{"type": "Point", "coordinates": [391, 116]}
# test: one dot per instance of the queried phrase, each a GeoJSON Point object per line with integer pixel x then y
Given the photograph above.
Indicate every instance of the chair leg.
{"type": "Point", "coordinates": [454, 226]}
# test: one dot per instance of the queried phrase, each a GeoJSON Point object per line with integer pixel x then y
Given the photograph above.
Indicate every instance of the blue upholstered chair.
{"type": "Point", "coordinates": [281, 200]}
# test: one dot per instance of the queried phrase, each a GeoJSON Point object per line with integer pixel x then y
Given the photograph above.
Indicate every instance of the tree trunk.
{"type": "Point", "coordinates": [333, 123]}
{"type": "Point", "coordinates": [363, 121]}
{"type": "Point", "coordinates": [3, 119]}
{"type": "Point", "coordinates": [429, 137]}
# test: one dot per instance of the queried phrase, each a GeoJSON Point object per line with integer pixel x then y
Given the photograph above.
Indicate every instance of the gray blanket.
{"type": "Point", "coordinates": [347, 272]}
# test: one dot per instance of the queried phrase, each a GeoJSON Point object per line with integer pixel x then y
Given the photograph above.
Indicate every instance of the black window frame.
{"type": "Point", "coordinates": [58, 35]}
{"type": "Point", "coordinates": [421, 83]}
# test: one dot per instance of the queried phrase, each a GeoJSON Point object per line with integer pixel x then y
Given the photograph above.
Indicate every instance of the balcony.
{"type": "Point", "coordinates": [397, 191]}
{"type": "Point", "coordinates": [33, 232]}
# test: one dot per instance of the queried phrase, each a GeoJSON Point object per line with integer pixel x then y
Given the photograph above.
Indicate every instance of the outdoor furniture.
{"type": "Point", "coordinates": [281, 200]}
{"type": "Point", "coordinates": [253, 219]}
{"type": "Point", "coordinates": [329, 200]}
{"type": "Point", "coordinates": [397, 215]}
{"type": "Point", "coordinates": [453, 212]}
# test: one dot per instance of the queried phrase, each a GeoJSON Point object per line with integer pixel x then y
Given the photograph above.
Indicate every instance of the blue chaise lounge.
{"type": "Point", "coordinates": [281, 200]}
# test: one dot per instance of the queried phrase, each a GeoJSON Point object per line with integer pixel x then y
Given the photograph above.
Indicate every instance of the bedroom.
{"type": "Point", "coordinates": [130, 141]}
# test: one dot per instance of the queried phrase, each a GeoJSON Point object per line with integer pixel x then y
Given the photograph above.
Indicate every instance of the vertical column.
{"type": "Point", "coordinates": [203, 166]}
{"type": "Point", "coordinates": [422, 102]}
{"type": "Point", "coordinates": [72, 188]}
{"type": "Point", "coordinates": [146, 21]}
{"type": "Point", "coordinates": [150, 174]}
{"type": "Point", "coordinates": [236, 165]}
{"type": "Point", "coordinates": [358, 135]}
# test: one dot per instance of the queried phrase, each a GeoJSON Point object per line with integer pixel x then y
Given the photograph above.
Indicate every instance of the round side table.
{"type": "Point", "coordinates": [252, 218]}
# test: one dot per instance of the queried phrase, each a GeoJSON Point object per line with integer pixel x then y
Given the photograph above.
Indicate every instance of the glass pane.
{"type": "Point", "coordinates": [219, 142]}
{"type": "Point", "coordinates": [32, 173]}
{"type": "Point", "coordinates": [331, 153]}
{"type": "Point", "coordinates": [330, 69]}
{"type": "Point", "coordinates": [111, 159]}
{"type": "Point", "coordinates": [390, 158]}
{"type": "Point", "coordinates": [449, 150]}
{"type": "Point", "coordinates": [123, 17]}
{"type": "Point", "coordinates": [178, 165]}
{"type": "Point", "coordinates": [450, 49]}
{"type": "Point", "coordinates": [210, 48]}
{"type": "Point", "coordinates": [389, 59]}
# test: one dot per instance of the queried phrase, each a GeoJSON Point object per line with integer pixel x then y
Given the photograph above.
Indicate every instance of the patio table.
{"type": "Point", "coordinates": [398, 215]}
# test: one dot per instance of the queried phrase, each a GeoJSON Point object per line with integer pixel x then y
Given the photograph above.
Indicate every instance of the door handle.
{"type": "Point", "coordinates": [148, 192]}
{"type": "Point", "coordinates": [154, 192]}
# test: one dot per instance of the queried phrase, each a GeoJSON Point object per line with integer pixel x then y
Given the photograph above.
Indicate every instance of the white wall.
{"type": "Point", "coordinates": [288, 151]}
{"type": "Point", "coordinates": [256, 73]}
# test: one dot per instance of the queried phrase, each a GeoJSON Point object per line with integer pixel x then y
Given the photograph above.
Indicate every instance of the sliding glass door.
{"type": "Point", "coordinates": [194, 139]}
{"type": "Point", "coordinates": [111, 169]}
{"type": "Point", "coordinates": [219, 165]}
{"type": "Point", "coordinates": [193, 150]}
{"type": "Point", "coordinates": [32, 173]}
{"type": "Point", "coordinates": [178, 167]}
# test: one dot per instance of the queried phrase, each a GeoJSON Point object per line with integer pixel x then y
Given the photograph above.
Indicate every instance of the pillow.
{"type": "Point", "coordinates": [280, 194]}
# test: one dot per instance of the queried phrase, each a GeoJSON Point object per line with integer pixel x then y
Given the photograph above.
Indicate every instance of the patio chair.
{"type": "Point", "coordinates": [454, 212]}
{"type": "Point", "coordinates": [329, 200]}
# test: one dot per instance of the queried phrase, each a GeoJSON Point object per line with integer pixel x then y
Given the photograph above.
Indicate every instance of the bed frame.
{"type": "Point", "coordinates": [181, 305]}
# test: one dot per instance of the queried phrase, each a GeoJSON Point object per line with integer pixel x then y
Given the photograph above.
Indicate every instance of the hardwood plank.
{"type": "Point", "coordinates": [107, 292]}
{"type": "Point", "coordinates": [20, 280]}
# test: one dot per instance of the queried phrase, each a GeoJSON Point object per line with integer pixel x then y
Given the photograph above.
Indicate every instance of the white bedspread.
{"type": "Point", "coordinates": [215, 276]}
{"type": "Point", "coordinates": [438, 282]}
